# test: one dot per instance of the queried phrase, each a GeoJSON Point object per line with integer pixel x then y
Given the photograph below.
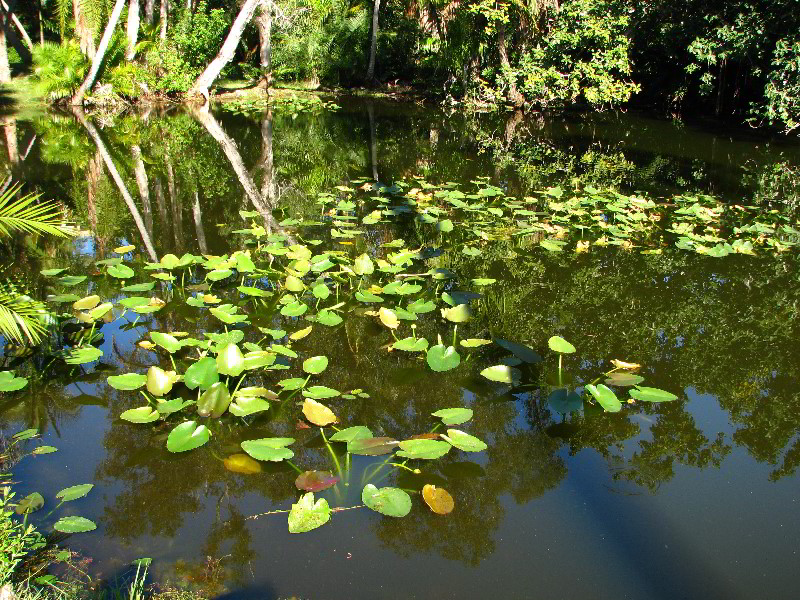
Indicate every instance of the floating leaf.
{"type": "Point", "coordinates": [474, 342]}
{"type": "Point", "coordinates": [320, 392]}
{"type": "Point", "coordinates": [563, 401]}
{"type": "Point", "coordinates": [317, 413]}
{"type": "Point", "coordinates": [230, 361]}
{"type": "Point", "coordinates": [624, 379]}
{"type": "Point", "coordinates": [389, 501]}
{"type": "Point", "coordinates": [11, 383]}
{"type": "Point", "coordinates": [372, 446]}
{"type": "Point", "coordinates": [245, 406]}
{"type": "Point", "coordinates": [44, 450]}
{"type": "Point", "coordinates": [214, 401]}
{"type": "Point", "coordinates": [127, 382]}
{"type": "Point", "coordinates": [166, 341]}
{"type": "Point", "coordinates": [651, 394]}
{"type": "Point", "coordinates": [74, 525]}
{"type": "Point", "coordinates": [74, 492]}
{"type": "Point", "coordinates": [501, 374]}
{"type": "Point", "coordinates": [411, 344]}
{"type": "Point", "coordinates": [454, 416]}
{"type": "Point", "coordinates": [457, 314]}
{"type": "Point", "coordinates": [605, 397]}
{"type": "Point", "coordinates": [299, 335]}
{"type": "Point", "coordinates": [483, 281]}
{"type": "Point", "coordinates": [167, 407]}
{"type": "Point", "coordinates": [464, 441]}
{"type": "Point", "coordinates": [625, 365]}
{"type": "Point", "coordinates": [363, 265]}
{"type": "Point", "coordinates": [438, 500]}
{"type": "Point", "coordinates": [315, 365]}
{"type": "Point", "coordinates": [270, 449]}
{"type": "Point", "coordinates": [357, 432]}
{"type": "Point", "coordinates": [315, 481]}
{"type": "Point", "coordinates": [560, 345]}
{"type": "Point", "coordinates": [83, 355]}
{"type": "Point", "coordinates": [202, 374]}
{"type": "Point", "coordinates": [441, 358]}
{"type": "Point", "coordinates": [241, 463]}
{"type": "Point", "coordinates": [328, 318]}
{"type": "Point", "coordinates": [307, 514]}
{"type": "Point", "coordinates": [86, 303]}
{"type": "Point", "coordinates": [366, 296]}
{"type": "Point", "coordinates": [30, 503]}
{"type": "Point", "coordinates": [321, 291]}
{"type": "Point", "coordinates": [424, 449]}
{"type": "Point", "coordinates": [524, 353]}
{"type": "Point", "coordinates": [388, 318]}
{"type": "Point", "coordinates": [51, 272]}
{"type": "Point", "coordinates": [159, 381]}
{"type": "Point", "coordinates": [139, 287]}
{"type": "Point", "coordinates": [120, 271]}
{"type": "Point", "coordinates": [294, 309]}
{"type": "Point", "coordinates": [71, 280]}
{"type": "Point", "coordinates": [100, 311]}
{"type": "Point", "coordinates": [143, 414]}
{"type": "Point", "coordinates": [124, 249]}
{"type": "Point", "coordinates": [187, 436]}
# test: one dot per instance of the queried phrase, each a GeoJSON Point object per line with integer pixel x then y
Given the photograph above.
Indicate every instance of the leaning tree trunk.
{"type": "Point", "coordinates": [77, 99]}
{"type": "Point", "coordinates": [25, 37]}
{"type": "Point", "coordinates": [144, 186]}
{"type": "Point", "coordinates": [132, 29]}
{"type": "Point", "coordinates": [264, 22]}
{"type": "Point", "coordinates": [163, 16]}
{"type": "Point", "coordinates": [5, 69]}
{"type": "Point", "coordinates": [83, 30]}
{"type": "Point", "coordinates": [373, 43]}
{"type": "Point", "coordinates": [225, 55]}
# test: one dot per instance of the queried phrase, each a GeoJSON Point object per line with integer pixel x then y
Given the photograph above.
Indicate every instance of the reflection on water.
{"type": "Point", "coordinates": [651, 502]}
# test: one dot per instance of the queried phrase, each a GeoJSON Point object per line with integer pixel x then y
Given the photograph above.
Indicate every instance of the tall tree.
{"type": "Point", "coordinates": [25, 37]}
{"type": "Point", "coordinates": [5, 69]}
{"type": "Point", "coordinates": [149, 11]}
{"type": "Point", "coordinates": [373, 42]}
{"type": "Point", "coordinates": [77, 99]}
{"type": "Point", "coordinates": [225, 55]}
{"type": "Point", "coordinates": [132, 29]}
{"type": "Point", "coordinates": [264, 22]}
{"type": "Point", "coordinates": [164, 17]}
{"type": "Point", "coordinates": [83, 30]}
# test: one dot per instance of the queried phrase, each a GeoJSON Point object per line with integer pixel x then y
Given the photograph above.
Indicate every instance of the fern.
{"type": "Point", "coordinates": [20, 315]}
{"type": "Point", "coordinates": [24, 214]}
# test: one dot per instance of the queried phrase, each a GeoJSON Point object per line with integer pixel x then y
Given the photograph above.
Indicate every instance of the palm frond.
{"type": "Point", "coordinates": [20, 315]}
{"type": "Point", "coordinates": [25, 214]}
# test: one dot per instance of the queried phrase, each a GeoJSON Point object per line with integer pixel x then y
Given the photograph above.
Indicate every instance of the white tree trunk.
{"type": "Point", "coordinates": [144, 186]}
{"type": "Point", "coordinates": [225, 55]}
{"type": "Point", "coordinates": [5, 69]}
{"type": "Point", "coordinates": [264, 22]}
{"type": "Point", "coordinates": [197, 213]}
{"type": "Point", "coordinates": [83, 31]}
{"type": "Point", "coordinates": [132, 29]}
{"type": "Point", "coordinates": [149, 11]}
{"type": "Point", "coordinates": [19, 26]}
{"type": "Point", "coordinates": [101, 50]}
{"type": "Point", "coordinates": [164, 14]}
{"type": "Point", "coordinates": [373, 44]}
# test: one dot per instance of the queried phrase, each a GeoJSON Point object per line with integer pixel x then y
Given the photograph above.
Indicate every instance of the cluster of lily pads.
{"type": "Point", "coordinates": [577, 219]}
{"type": "Point", "coordinates": [292, 103]}
{"type": "Point", "coordinates": [282, 285]}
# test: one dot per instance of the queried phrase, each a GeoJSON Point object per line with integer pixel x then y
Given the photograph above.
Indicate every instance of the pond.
{"type": "Point", "coordinates": [435, 261]}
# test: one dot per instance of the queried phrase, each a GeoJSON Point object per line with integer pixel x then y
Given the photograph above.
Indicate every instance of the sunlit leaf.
{"type": "Point", "coordinates": [454, 416]}
{"type": "Point", "coordinates": [464, 441]}
{"type": "Point", "coordinates": [389, 501]}
{"type": "Point", "coordinates": [187, 436]}
{"type": "Point", "coordinates": [241, 463]}
{"type": "Point", "coordinates": [560, 345]}
{"type": "Point", "coordinates": [74, 524]}
{"type": "Point", "coordinates": [317, 413]}
{"type": "Point", "coordinates": [315, 365]}
{"type": "Point", "coordinates": [651, 394]}
{"type": "Point", "coordinates": [424, 449]}
{"type": "Point", "coordinates": [438, 499]}
{"type": "Point", "coordinates": [307, 514]}
{"type": "Point", "coordinates": [269, 449]}
{"type": "Point", "coordinates": [605, 397]}
{"type": "Point", "coordinates": [315, 481]}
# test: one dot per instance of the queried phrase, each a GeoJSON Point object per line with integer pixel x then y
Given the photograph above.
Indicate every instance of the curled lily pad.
{"type": "Point", "coordinates": [389, 501]}
{"type": "Point", "coordinates": [464, 441]}
{"type": "Point", "coordinates": [166, 341]}
{"type": "Point", "coordinates": [605, 397]}
{"type": "Point", "coordinates": [299, 335]}
{"type": "Point", "coordinates": [159, 381]}
{"type": "Point", "coordinates": [457, 314]}
{"type": "Point", "coordinates": [315, 481]}
{"type": "Point", "coordinates": [245, 406]}
{"type": "Point", "coordinates": [524, 353]}
{"type": "Point", "coordinates": [438, 499]}
{"type": "Point", "coordinates": [230, 361]}
{"type": "Point", "coordinates": [388, 317]}
{"type": "Point", "coordinates": [214, 401]}
{"type": "Point", "coordinates": [187, 436]}
{"type": "Point", "coordinates": [30, 503]}
{"type": "Point", "coordinates": [363, 265]}
{"type": "Point", "coordinates": [86, 303]}
{"type": "Point", "coordinates": [307, 514]}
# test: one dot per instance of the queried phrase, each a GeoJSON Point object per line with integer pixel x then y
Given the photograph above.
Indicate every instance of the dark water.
{"type": "Point", "coordinates": [696, 498]}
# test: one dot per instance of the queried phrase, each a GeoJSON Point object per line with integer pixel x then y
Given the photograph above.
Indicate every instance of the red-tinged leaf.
{"type": "Point", "coordinates": [372, 446]}
{"type": "Point", "coordinates": [315, 481]}
{"type": "Point", "coordinates": [302, 425]}
{"type": "Point", "coordinates": [425, 436]}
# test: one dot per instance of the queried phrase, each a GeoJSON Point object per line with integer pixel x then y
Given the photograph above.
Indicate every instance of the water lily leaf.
{"type": "Point", "coordinates": [369, 297]}
{"type": "Point", "coordinates": [163, 276]}
{"type": "Point", "coordinates": [187, 436]}
{"type": "Point", "coordinates": [307, 514]}
{"type": "Point", "coordinates": [483, 281]}
{"type": "Point", "coordinates": [357, 432]}
{"type": "Point", "coordinates": [315, 481]}
{"type": "Point", "coordinates": [218, 274]}
{"type": "Point", "coordinates": [30, 503]}
{"type": "Point", "coordinates": [167, 407]}
{"type": "Point", "coordinates": [445, 226]}
{"type": "Point", "coordinates": [454, 416]}
{"type": "Point", "coordinates": [441, 358]}
{"type": "Point", "coordinates": [44, 450]}
{"type": "Point", "coordinates": [438, 499]}
{"type": "Point", "coordinates": [227, 317]}
{"type": "Point", "coordinates": [252, 291]}
{"type": "Point", "coordinates": [363, 265]}
{"type": "Point", "coordinates": [457, 314]}
{"type": "Point", "coordinates": [563, 401]}
{"type": "Point", "coordinates": [474, 342]}
{"type": "Point", "coordinates": [166, 341]}
{"type": "Point", "coordinates": [71, 280]}
{"type": "Point", "coordinates": [134, 301]}
{"type": "Point", "coordinates": [120, 271]}
{"type": "Point", "coordinates": [74, 525]}
{"type": "Point", "coordinates": [524, 353]}
{"type": "Point", "coordinates": [501, 374]}
{"type": "Point", "coordinates": [294, 309]}
{"type": "Point", "coordinates": [154, 305]}
{"type": "Point", "coordinates": [51, 272]}
{"type": "Point", "coordinates": [98, 312]}
{"type": "Point", "coordinates": [255, 392]}
{"type": "Point", "coordinates": [328, 318]}
{"type": "Point", "coordinates": [269, 449]}
{"type": "Point", "coordinates": [139, 287]}
{"type": "Point", "coordinates": [624, 379]}
{"type": "Point", "coordinates": [620, 364]}
{"type": "Point", "coordinates": [317, 413]}
{"type": "Point", "coordinates": [86, 303]}
{"type": "Point", "coordinates": [74, 492]}
{"type": "Point", "coordinates": [124, 249]}
{"type": "Point", "coordinates": [321, 291]}
{"type": "Point", "coordinates": [389, 501]}
{"type": "Point", "coordinates": [320, 392]}
{"type": "Point", "coordinates": [241, 463]}
{"type": "Point", "coordinates": [159, 381]}
{"type": "Point", "coordinates": [294, 284]}
{"type": "Point", "coordinates": [83, 355]}
{"type": "Point", "coordinates": [464, 441]}
{"type": "Point", "coordinates": [651, 394]}
{"type": "Point", "coordinates": [230, 361]}
{"type": "Point", "coordinates": [315, 365]}
{"type": "Point", "coordinates": [62, 298]}
{"type": "Point", "coordinates": [424, 449]}
{"type": "Point", "coordinates": [372, 446]}
{"type": "Point", "coordinates": [214, 401]}
{"type": "Point", "coordinates": [420, 306]}
{"type": "Point", "coordinates": [388, 318]}
{"type": "Point", "coordinates": [411, 344]}
{"type": "Point", "coordinates": [128, 381]}
{"type": "Point", "coordinates": [143, 414]}
{"type": "Point", "coordinates": [10, 382]}
{"type": "Point", "coordinates": [294, 383]}
{"type": "Point", "coordinates": [560, 345]}
{"type": "Point", "coordinates": [605, 397]}
{"type": "Point", "coordinates": [299, 335]}
{"type": "Point", "coordinates": [258, 359]}
{"type": "Point", "coordinates": [245, 406]}
{"type": "Point", "coordinates": [202, 374]}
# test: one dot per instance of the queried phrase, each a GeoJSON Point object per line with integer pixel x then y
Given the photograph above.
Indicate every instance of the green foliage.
{"type": "Point", "coordinates": [17, 539]}
{"type": "Point", "coordinates": [782, 92]}
{"type": "Point", "coordinates": [59, 69]}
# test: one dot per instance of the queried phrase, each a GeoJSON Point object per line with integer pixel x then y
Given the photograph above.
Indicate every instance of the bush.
{"type": "Point", "coordinates": [782, 92]}
{"type": "Point", "coordinates": [59, 69]}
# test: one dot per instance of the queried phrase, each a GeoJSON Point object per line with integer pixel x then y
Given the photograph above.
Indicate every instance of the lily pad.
{"type": "Point", "coordinates": [74, 525]}
{"type": "Point", "coordinates": [269, 449]}
{"type": "Point", "coordinates": [424, 449]}
{"type": "Point", "coordinates": [563, 401]}
{"type": "Point", "coordinates": [127, 382]}
{"type": "Point", "coordinates": [307, 515]}
{"type": "Point", "coordinates": [166, 341]}
{"type": "Point", "coordinates": [373, 446]}
{"type": "Point", "coordinates": [30, 503]}
{"type": "Point", "coordinates": [317, 413]}
{"type": "Point", "coordinates": [454, 416]}
{"type": "Point", "coordinates": [441, 358]}
{"type": "Point", "coordinates": [187, 436]}
{"type": "Point", "coordinates": [464, 441]}
{"type": "Point", "coordinates": [202, 374]}
{"type": "Point", "coordinates": [315, 365]}
{"type": "Point", "coordinates": [560, 345]}
{"type": "Point", "coordinates": [502, 374]}
{"type": "Point", "coordinates": [10, 382]}
{"type": "Point", "coordinates": [651, 394]}
{"type": "Point", "coordinates": [241, 463]}
{"type": "Point", "coordinates": [120, 271]}
{"type": "Point", "coordinates": [389, 501]}
{"type": "Point", "coordinates": [315, 481]}
{"type": "Point", "coordinates": [245, 406]}
{"type": "Point", "coordinates": [143, 414]}
{"type": "Point", "coordinates": [357, 432]}
{"type": "Point", "coordinates": [438, 499]}
{"type": "Point", "coordinates": [74, 492]}
{"type": "Point", "coordinates": [605, 397]}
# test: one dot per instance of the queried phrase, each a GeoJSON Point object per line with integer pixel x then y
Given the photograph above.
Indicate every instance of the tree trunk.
{"type": "Point", "coordinates": [149, 10]}
{"type": "Point", "coordinates": [10, 131]}
{"type": "Point", "coordinates": [373, 146]}
{"type": "Point", "coordinates": [41, 25]}
{"type": "Point", "coordinates": [19, 26]}
{"type": "Point", "coordinates": [264, 22]}
{"type": "Point", "coordinates": [267, 160]}
{"type": "Point", "coordinates": [83, 31]}
{"type": "Point", "coordinates": [516, 98]}
{"type": "Point", "coordinates": [77, 99]}
{"type": "Point", "coordinates": [132, 29]}
{"type": "Point", "coordinates": [144, 186]}
{"type": "Point", "coordinates": [177, 216]}
{"type": "Point", "coordinates": [207, 120]}
{"type": "Point", "coordinates": [197, 213]}
{"type": "Point", "coordinates": [93, 173]}
{"type": "Point", "coordinates": [373, 43]}
{"type": "Point", "coordinates": [207, 77]}
{"type": "Point", "coordinates": [137, 218]}
{"type": "Point", "coordinates": [163, 15]}
{"type": "Point", "coordinates": [5, 69]}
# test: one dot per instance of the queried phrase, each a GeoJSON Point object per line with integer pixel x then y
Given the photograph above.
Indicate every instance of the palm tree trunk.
{"type": "Point", "coordinates": [77, 99]}
{"type": "Point", "coordinates": [163, 15]}
{"type": "Point", "coordinates": [197, 213]}
{"type": "Point", "coordinates": [225, 55]}
{"type": "Point", "coordinates": [19, 26]}
{"type": "Point", "coordinates": [10, 131]}
{"type": "Point", "coordinates": [41, 25]}
{"type": "Point", "coordinates": [5, 69]}
{"type": "Point", "coordinates": [144, 186]}
{"type": "Point", "coordinates": [373, 43]}
{"type": "Point", "coordinates": [373, 144]}
{"type": "Point", "coordinates": [132, 28]}
{"type": "Point", "coordinates": [83, 31]}
{"type": "Point", "coordinates": [264, 22]}
{"type": "Point", "coordinates": [516, 98]}
{"type": "Point", "coordinates": [101, 147]}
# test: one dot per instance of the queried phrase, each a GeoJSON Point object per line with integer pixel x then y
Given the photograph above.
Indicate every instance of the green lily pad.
{"type": "Point", "coordinates": [128, 381]}
{"type": "Point", "coordinates": [74, 492]}
{"type": "Point", "coordinates": [605, 397]}
{"type": "Point", "coordinates": [10, 382]}
{"type": "Point", "coordinates": [271, 449]}
{"type": "Point", "coordinates": [307, 515]}
{"type": "Point", "coordinates": [214, 401]}
{"type": "Point", "coordinates": [143, 414]}
{"type": "Point", "coordinates": [120, 271]}
{"type": "Point", "coordinates": [464, 441]}
{"type": "Point", "coordinates": [202, 374]}
{"type": "Point", "coordinates": [187, 436]}
{"type": "Point", "coordinates": [357, 432]}
{"type": "Point", "coordinates": [560, 345]}
{"type": "Point", "coordinates": [423, 449]}
{"type": "Point", "coordinates": [30, 503]}
{"type": "Point", "coordinates": [83, 355]}
{"type": "Point", "coordinates": [328, 318]}
{"type": "Point", "coordinates": [563, 401]}
{"type": "Point", "coordinates": [501, 374]}
{"type": "Point", "coordinates": [441, 358]}
{"type": "Point", "coordinates": [315, 365]}
{"type": "Point", "coordinates": [74, 525]}
{"type": "Point", "coordinates": [169, 342]}
{"type": "Point", "coordinates": [651, 394]}
{"type": "Point", "coordinates": [411, 344]}
{"type": "Point", "coordinates": [389, 501]}
{"type": "Point", "coordinates": [140, 287]}
{"type": "Point", "coordinates": [319, 392]}
{"type": "Point", "coordinates": [454, 416]}
{"type": "Point", "coordinates": [244, 406]}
